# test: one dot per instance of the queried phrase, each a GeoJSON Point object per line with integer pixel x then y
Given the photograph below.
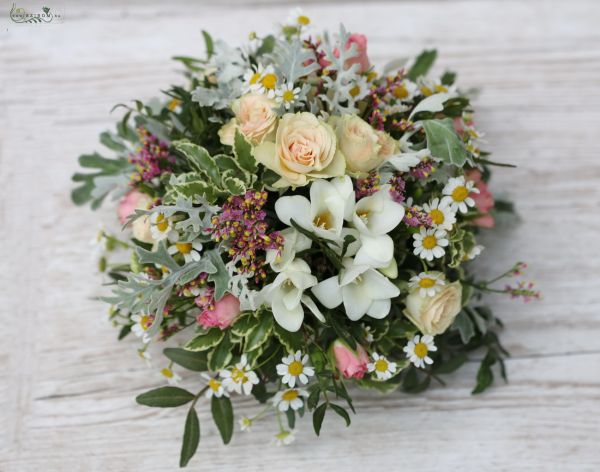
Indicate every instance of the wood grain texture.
{"type": "Point", "coordinates": [66, 397]}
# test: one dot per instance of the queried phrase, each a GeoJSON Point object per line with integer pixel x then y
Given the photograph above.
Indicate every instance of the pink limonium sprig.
{"type": "Point", "coordinates": [368, 185]}
{"type": "Point", "coordinates": [151, 159]}
{"type": "Point", "coordinates": [523, 290]}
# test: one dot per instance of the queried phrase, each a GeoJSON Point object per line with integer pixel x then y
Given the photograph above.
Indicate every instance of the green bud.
{"type": "Point", "coordinates": [102, 264]}
{"type": "Point", "coordinates": [136, 267]}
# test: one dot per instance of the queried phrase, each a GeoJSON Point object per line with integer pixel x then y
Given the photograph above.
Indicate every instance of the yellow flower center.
{"type": "Point", "coordinates": [303, 20]}
{"type": "Point", "coordinates": [269, 81]}
{"type": "Point", "coordinates": [354, 91]}
{"type": "Point", "coordinates": [381, 365]}
{"type": "Point", "coordinates": [429, 242]}
{"type": "Point", "coordinates": [437, 216]}
{"type": "Point", "coordinates": [173, 104]}
{"type": "Point", "coordinates": [323, 220]}
{"type": "Point", "coordinates": [460, 193]}
{"type": "Point", "coordinates": [371, 76]}
{"type": "Point", "coordinates": [288, 96]}
{"type": "Point", "coordinates": [426, 91]}
{"type": "Point", "coordinates": [145, 322]}
{"type": "Point", "coordinates": [238, 375]}
{"type": "Point", "coordinates": [162, 223]}
{"type": "Point", "coordinates": [400, 92]}
{"type": "Point", "coordinates": [214, 385]}
{"type": "Point", "coordinates": [426, 282]}
{"type": "Point", "coordinates": [184, 248]}
{"type": "Point", "coordinates": [289, 395]}
{"type": "Point", "coordinates": [254, 78]}
{"type": "Point", "coordinates": [295, 368]}
{"type": "Point", "coordinates": [421, 350]}
{"type": "Point", "coordinates": [168, 373]}
{"type": "Point", "coordinates": [440, 89]}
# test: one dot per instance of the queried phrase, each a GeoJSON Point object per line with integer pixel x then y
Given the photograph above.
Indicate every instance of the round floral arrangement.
{"type": "Point", "coordinates": [296, 220]}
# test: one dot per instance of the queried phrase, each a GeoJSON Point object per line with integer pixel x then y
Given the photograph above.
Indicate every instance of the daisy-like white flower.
{"type": "Point", "coordinates": [429, 243]}
{"type": "Point", "coordinates": [172, 377]}
{"type": "Point", "coordinates": [245, 423]}
{"type": "Point", "coordinates": [142, 325]}
{"type": "Point", "coordinates": [287, 95]}
{"type": "Point", "coordinates": [457, 192]}
{"type": "Point", "coordinates": [215, 387]}
{"type": "Point", "coordinates": [189, 251]}
{"type": "Point", "coordinates": [294, 368]}
{"type": "Point", "coordinates": [285, 438]}
{"type": "Point", "coordinates": [383, 368]}
{"type": "Point", "coordinates": [252, 76]}
{"type": "Point", "coordinates": [428, 283]}
{"type": "Point", "coordinates": [297, 18]}
{"type": "Point", "coordinates": [474, 252]}
{"type": "Point", "coordinates": [429, 86]}
{"type": "Point", "coordinates": [405, 91]}
{"type": "Point", "coordinates": [263, 80]}
{"type": "Point", "coordinates": [240, 377]}
{"type": "Point", "coordinates": [441, 214]}
{"type": "Point", "coordinates": [290, 398]}
{"type": "Point", "coordinates": [161, 227]}
{"type": "Point", "coordinates": [418, 348]}
{"type": "Point", "coordinates": [145, 356]}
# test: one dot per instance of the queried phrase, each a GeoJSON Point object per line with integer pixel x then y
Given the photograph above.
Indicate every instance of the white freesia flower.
{"type": "Point", "coordinates": [330, 202]}
{"type": "Point", "coordinates": [294, 242]}
{"type": "Point", "coordinates": [374, 217]}
{"type": "Point", "coordinates": [286, 295]}
{"type": "Point", "coordinates": [360, 288]}
{"type": "Point", "coordinates": [405, 161]}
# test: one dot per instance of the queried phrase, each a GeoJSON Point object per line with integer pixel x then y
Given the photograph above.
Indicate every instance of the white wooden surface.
{"type": "Point", "coordinates": [67, 387]}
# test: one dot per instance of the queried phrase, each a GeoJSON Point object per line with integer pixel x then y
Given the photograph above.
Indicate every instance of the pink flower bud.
{"type": "Point", "coordinates": [130, 202]}
{"type": "Point", "coordinates": [484, 200]}
{"type": "Point", "coordinates": [361, 49]}
{"type": "Point", "coordinates": [352, 364]}
{"type": "Point", "coordinates": [222, 315]}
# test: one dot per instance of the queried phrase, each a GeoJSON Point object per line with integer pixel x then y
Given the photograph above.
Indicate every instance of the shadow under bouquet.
{"type": "Point", "coordinates": [295, 221]}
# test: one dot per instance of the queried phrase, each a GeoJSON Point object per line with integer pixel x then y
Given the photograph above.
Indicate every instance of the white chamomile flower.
{"type": "Point", "coordinates": [142, 325]}
{"type": "Point", "coordinates": [252, 77]}
{"type": "Point", "coordinates": [266, 83]}
{"type": "Point", "coordinates": [294, 369]}
{"type": "Point", "coordinates": [428, 86]}
{"type": "Point", "coordinates": [145, 356]}
{"type": "Point", "coordinates": [417, 349]}
{"type": "Point", "coordinates": [359, 89]}
{"type": "Point", "coordinates": [368, 334]}
{"type": "Point", "coordinates": [245, 423]}
{"type": "Point", "coordinates": [429, 243]}
{"type": "Point", "coordinates": [285, 438]}
{"type": "Point", "coordinates": [457, 192]}
{"type": "Point", "coordinates": [215, 387]}
{"type": "Point", "coordinates": [405, 91]}
{"type": "Point", "coordinates": [290, 398]}
{"type": "Point", "coordinates": [441, 214]}
{"type": "Point", "coordinates": [189, 251]}
{"type": "Point", "coordinates": [297, 18]}
{"type": "Point", "coordinates": [161, 227]}
{"type": "Point", "coordinates": [240, 377]}
{"type": "Point", "coordinates": [383, 368]}
{"type": "Point", "coordinates": [287, 95]}
{"type": "Point", "coordinates": [474, 252]}
{"type": "Point", "coordinates": [428, 283]}
{"type": "Point", "coordinates": [172, 377]}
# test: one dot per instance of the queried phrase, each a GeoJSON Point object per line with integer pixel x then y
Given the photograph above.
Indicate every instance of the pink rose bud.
{"type": "Point", "coordinates": [129, 203]}
{"type": "Point", "coordinates": [361, 49]}
{"type": "Point", "coordinates": [223, 315]}
{"type": "Point", "coordinates": [484, 200]}
{"type": "Point", "coordinates": [352, 364]}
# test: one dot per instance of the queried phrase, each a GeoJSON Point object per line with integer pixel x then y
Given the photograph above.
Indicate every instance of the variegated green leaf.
{"type": "Point", "coordinates": [192, 185]}
{"type": "Point", "coordinates": [205, 341]}
{"type": "Point", "coordinates": [259, 334]}
{"type": "Point", "coordinates": [221, 354]}
{"type": "Point", "coordinates": [244, 324]}
{"type": "Point", "coordinates": [243, 152]}
{"type": "Point", "coordinates": [199, 159]}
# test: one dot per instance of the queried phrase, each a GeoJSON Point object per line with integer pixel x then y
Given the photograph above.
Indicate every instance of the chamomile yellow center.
{"type": "Point", "coordinates": [173, 104]}
{"type": "Point", "coordinates": [289, 395]}
{"type": "Point", "coordinates": [288, 96]}
{"type": "Point", "coordinates": [145, 322]}
{"type": "Point", "coordinates": [295, 368]}
{"type": "Point", "coordinates": [323, 220]}
{"type": "Point", "coordinates": [238, 375]}
{"type": "Point", "coordinates": [426, 282]}
{"type": "Point", "coordinates": [440, 89]}
{"type": "Point", "coordinates": [255, 77]}
{"type": "Point", "coordinates": [269, 81]}
{"type": "Point", "coordinates": [400, 92]}
{"type": "Point", "coordinates": [437, 216]}
{"type": "Point", "coordinates": [421, 350]}
{"type": "Point", "coordinates": [168, 373]}
{"type": "Point", "coordinates": [303, 20]}
{"type": "Point", "coordinates": [184, 248]}
{"type": "Point", "coordinates": [214, 385]}
{"type": "Point", "coordinates": [354, 91]}
{"type": "Point", "coordinates": [381, 365]}
{"type": "Point", "coordinates": [429, 242]}
{"type": "Point", "coordinates": [162, 224]}
{"type": "Point", "coordinates": [460, 193]}
{"type": "Point", "coordinates": [426, 91]}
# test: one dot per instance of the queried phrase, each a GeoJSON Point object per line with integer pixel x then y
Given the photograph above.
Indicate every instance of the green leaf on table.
{"type": "Point", "coordinates": [205, 340]}
{"type": "Point", "coordinates": [341, 412]}
{"type": "Point", "coordinates": [222, 413]}
{"type": "Point", "coordinates": [485, 376]}
{"type": "Point", "coordinates": [450, 365]}
{"type": "Point", "coordinates": [191, 438]}
{"type": "Point", "coordinates": [422, 64]}
{"type": "Point", "coordinates": [444, 143]}
{"type": "Point", "coordinates": [165, 397]}
{"type": "Point", "coordinates": [318, 417]}
{"type": "Point", "coordinates": [190, 360]}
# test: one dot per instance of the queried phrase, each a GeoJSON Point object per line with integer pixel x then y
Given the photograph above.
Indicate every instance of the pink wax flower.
{"type": "Point", "coordinates": [223, 314]}
{"type": "Point", "coordinates": [361, 58]}
{"type": "Point", "coordinates": [129, 203]}
{"type": "Point", "coordinates": [484, 200]}
{"type": "Point", "coordinates": [352, 364]}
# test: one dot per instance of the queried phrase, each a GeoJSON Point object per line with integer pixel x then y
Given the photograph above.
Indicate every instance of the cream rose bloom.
{"type": "Point", "coordinates": [363, 147]}
{"type": "Point", "coordinates": [304, 149]}
{"type": "Point", "coordinates": [433, 315]}
{"type": "Point", "coordinates": [254, 117]}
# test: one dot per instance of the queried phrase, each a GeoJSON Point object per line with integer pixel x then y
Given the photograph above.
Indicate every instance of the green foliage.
{"type": "Point", "coordinates": [221, 355]}
{"type": "Point", "coordinates": [205, 340]}
{"type": "Point", "coordinates": [165, 397]}
{"type": "Point", "coordinates": [318, 417]}
{"type": "Point", "coordinates": [191, 438]}
{"type": "Point", "coordinates": [222, 413]}
{"type": "Point", "coordinates": [422, 64]}
{"type": "Point", "coordinates": [444, 143]}
{"type": "Point", "coordinates": [196, 361]}
{"type": "Point", "coordinates": [107, 175]}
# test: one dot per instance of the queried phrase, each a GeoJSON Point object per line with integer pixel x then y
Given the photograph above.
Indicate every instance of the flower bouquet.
{"type": "Point", "coordinates": [296, 220]}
